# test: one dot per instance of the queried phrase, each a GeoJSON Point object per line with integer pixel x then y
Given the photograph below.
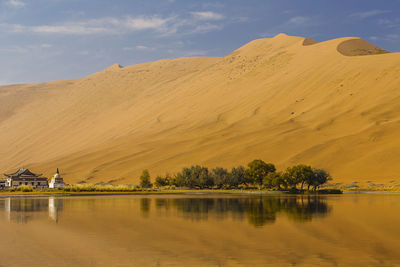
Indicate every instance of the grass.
{"type": "Point", "coordinates": [85, 189]}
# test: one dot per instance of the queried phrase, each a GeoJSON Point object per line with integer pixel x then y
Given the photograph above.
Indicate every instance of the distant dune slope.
{"type": "Point", "coordinates": [287, 100]}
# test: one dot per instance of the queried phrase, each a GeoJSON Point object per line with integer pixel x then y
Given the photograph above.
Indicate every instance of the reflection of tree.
{"type": "Point", "coordinates": [259, 210]}
{"type": "Point", "coordinates": [306, 207]}
{"type": "Point", "coordinates": [145, 204]}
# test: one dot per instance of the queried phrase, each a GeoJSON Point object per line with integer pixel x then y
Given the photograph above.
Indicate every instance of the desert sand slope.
{"type": "Point", "coordinates": [287, 100]}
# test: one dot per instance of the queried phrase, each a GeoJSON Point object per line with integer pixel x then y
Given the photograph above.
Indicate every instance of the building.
{"type": "Point", "coordinates": [57, 181]}
{"type": "Point", "coordinates": [26, 177]}
{"type": "Point", "coordinates": [3, 183]}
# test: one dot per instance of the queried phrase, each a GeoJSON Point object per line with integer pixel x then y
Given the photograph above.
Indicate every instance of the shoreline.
{"type": "Point", "coordinates": [187, 192]}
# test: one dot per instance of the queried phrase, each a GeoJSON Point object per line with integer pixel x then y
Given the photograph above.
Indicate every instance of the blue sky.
{"type": "Point", "coordinates": [43, 40]}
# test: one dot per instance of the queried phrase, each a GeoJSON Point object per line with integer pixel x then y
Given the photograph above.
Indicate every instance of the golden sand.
{"type": "Point", "coordinates": [287, 100]}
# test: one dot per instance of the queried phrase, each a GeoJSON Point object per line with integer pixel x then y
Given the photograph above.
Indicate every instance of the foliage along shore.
{"type": "Point", "coordinates": [257, 177]}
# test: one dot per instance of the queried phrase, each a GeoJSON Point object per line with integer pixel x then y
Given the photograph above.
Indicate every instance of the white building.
{"type": "Point", "coordinates": [57, 181]}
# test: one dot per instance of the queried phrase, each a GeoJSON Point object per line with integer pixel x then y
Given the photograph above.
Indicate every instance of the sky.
{"type": "Point", "coordinates": [44, 40]}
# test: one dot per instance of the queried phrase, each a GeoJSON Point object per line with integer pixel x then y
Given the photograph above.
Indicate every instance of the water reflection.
{"type": "Point", "coordinates": [258, 210]}
{"type": "Point", "coordinates": [22, 210]}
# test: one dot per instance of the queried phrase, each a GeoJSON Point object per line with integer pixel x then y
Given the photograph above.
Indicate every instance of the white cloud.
{"type": "Point", "coordinates": [369, 13]}
{"type": "Point", "coordinates": [143, 23]}
{"type": "Point", "coordinates": [14, 49]}
{"type": "Point", "coordinates": [15, 3]}
{"type": "Point", "coordinates": [206, 28]}
{"type": "Point", "coordinates": [163, 26]}
{"type": "Point", "coordinates": [207, 15]}
{"type": "Point", "coordinates": [389, 23]}
{"type": "Point", "coordinates": [139, 47]}
{"type": "Point", "coordinates": [46, 46]}
{"type": "Point", "coordinates": [94, 26]}
{"type": "Point", "coordinates": [298, 20]}
{"type": "Point", "coordinates": [143, 47]}
{"type": "Point", "coordinates": [393, 36]}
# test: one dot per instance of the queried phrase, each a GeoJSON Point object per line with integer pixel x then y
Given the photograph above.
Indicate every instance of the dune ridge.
{"type": "Point", "coordinates": [287, 100]}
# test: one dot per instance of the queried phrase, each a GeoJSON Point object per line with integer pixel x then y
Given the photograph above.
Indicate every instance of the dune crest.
{"type": "Point", "coordinates": [285, 99]}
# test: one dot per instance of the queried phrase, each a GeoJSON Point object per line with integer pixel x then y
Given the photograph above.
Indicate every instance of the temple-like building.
{"type": "Point", "coordinates": [25, 177]}
{"type": "Point", "coordinates": [57, 181]}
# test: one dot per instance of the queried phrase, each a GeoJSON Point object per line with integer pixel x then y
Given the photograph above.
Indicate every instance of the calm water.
{"type": "Point", "coordinates": [201, 230]}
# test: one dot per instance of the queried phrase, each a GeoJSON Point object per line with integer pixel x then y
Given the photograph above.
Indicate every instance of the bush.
{"type": "Point", "coordinates": [330, 191]}
{"type": "Point", "coordinates": [25, 188]}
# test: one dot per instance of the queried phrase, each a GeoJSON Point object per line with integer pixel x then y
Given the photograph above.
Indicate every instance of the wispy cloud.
{"type": "Point", "coordinates": [15, 3]}
{"type": "Point", "coordinates": [22, 49]}
{"type": "Point", "coordinates": [164, 26]}
{"type": "Point", "coordinates": [206, 28]}
{"type": "Point", "coordinates": [298, 20]}
{"type": "Point", "coordinates": [140, 48]}
{"type": "Point", "coordinates": [207, 15]}
{"type": "Point", "coordinates": [390, 23]}
{"type": "Point", "coordinates": [368, 14]}
{"type": "Point", "coordinates": [393, 36]}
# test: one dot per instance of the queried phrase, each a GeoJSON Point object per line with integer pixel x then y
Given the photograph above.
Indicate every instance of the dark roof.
{"type": "Point", "coordinates": [23, 172]}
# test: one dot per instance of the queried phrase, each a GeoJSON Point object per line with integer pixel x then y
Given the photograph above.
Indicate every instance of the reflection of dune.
{"type": "Point", "coordinates": [285, 99]}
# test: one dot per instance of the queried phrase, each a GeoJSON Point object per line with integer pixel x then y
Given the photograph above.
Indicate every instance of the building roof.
{"type": "Point", "coordinates": [23, 173]}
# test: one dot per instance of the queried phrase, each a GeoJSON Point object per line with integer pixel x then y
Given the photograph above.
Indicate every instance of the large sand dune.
{"type": "Point", "coordinates": [286, 100]}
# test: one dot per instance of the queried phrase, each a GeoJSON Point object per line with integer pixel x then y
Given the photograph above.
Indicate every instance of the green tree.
{"type": "Point", "coordinates": [220, 176]}
{"type": "Point", "coordinates": [161, 181]}
{"type": "Point", "coordinates": [237, 176]}
{"type": "Point", "coordinates": [299, 174]}
{"type": "Point", "coordinates": [273, 179]}
{"type": "Point", "coordinates": [257, 170]}
{"type": "Point", "coordinates": [145, 180]}
{"type": "Point", "coordinates": [319, 178]}
{"type": "Point", "coordinates": [195, 176]}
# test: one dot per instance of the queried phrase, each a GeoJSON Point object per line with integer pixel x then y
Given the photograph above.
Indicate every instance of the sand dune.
{"type": "Point", "coordinates": [334, 104]}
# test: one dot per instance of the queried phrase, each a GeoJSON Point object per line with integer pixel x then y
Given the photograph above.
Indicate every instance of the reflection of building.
{"type": "Point", "coordinates": [25, 177]}
{"type": "Point", "coordinates": [57, 181]}
{"type": "Point", "coordinates": [55, 205]}
{"type": "Point", "coordinates": [22, 210]}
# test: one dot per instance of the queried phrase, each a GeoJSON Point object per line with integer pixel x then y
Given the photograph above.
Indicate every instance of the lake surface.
{"type": "Point", "coordinates": [201, 230]}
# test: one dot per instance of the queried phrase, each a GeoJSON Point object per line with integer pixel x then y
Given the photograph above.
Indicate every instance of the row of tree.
{"type": "Point", "coordinates": [258, 173]}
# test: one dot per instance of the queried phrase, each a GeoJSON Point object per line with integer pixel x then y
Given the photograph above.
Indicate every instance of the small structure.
{"type": "Point", "coordinates": [3, 183]}
{"type": "Point", "coordinates": [57, 181]}
{"type": "Point", "coordinates": [26, 177]}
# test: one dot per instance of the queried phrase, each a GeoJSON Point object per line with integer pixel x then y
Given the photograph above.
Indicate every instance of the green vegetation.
{"type": "Point", "coordinates": [257, 175]}
{"type": "Point", "coordinates": [145, 180]}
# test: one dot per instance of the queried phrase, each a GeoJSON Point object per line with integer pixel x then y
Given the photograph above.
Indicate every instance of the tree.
{"type": "Point", "coordinates": [273, 179]}
{"type": "Point", "coordinates": [299, 174]}
{"type": "Point", "coordinates": [220, 176]}
{"type": "Point", "coordinates": [237, 176]}
{"type": "Point", "coordinates": [145, 179]}
{"type": "Point", "coordinates": [195, 176]}
{"type": "Point", "coordinates": [161, 181]}
{"type": "Point", "coordinates": [257, 170]}
{"type": "Point", "coordinates": [319, 178]}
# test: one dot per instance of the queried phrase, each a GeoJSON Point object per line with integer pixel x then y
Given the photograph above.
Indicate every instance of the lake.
{"type": "Point", "coordinates": [201, 230]}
